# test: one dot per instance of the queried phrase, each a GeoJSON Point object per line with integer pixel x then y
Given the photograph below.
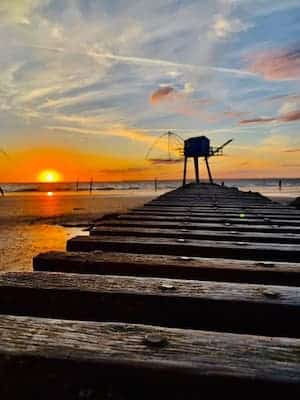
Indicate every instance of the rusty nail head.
{"type": "Point", "coordinates": [155, 340]}
{"type": "Point", "coordinates": [264, 264]}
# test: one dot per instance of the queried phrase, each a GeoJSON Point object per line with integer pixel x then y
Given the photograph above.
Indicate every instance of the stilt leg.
{"type": "Point", "coordinates": [196, 169]}
{"type": "Point", "coordinates": [208, 170]}
{"type": "Point", "coordinates": [184, 171]}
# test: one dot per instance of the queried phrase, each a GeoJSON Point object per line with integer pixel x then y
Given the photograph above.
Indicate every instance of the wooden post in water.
{"type": "Point", "coordinates": [91, 185]}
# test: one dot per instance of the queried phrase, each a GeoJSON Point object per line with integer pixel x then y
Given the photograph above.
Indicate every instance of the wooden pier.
{"type": "Point", "coordinates": [198, 289]}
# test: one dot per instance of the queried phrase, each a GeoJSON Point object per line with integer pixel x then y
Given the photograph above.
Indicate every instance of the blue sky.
{"type": "Point", "coordinates": [104, 78]}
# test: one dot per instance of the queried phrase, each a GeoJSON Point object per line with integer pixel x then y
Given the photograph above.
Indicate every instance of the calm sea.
{"type": "Point", "coordinates": [267, 187]}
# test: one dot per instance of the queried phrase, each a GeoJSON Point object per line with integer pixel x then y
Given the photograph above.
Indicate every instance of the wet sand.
{"type": "Point", "coordinates": [31, 224]}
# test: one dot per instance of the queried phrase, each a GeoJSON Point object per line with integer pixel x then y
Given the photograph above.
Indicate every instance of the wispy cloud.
{"type": "Point", "coordinates": [292, 151]}
{"type": "Point", "coordinates": [276, 64]}
{"type": "Point", "coordinates": [288, 117]}
{"type": "Point", "coordinates": [224, 27]}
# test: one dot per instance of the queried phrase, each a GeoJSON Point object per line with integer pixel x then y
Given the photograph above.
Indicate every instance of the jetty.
{"type": "Point", "coordinates": [197, 290]}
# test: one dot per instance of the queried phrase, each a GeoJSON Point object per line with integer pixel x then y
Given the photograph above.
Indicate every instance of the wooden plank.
{"type": "Point", "coordinates": [195, 234]}
{"type": "Point", "coordinates": [220, 210]}
{"type": "Point", "coordinates": [230, 307]}
{"type": "Point", "coordinates": [106, 263]}
{"type": "Point", "coordinates": [187, 247]}
{"type": "Point", "coordinates": [35, 352]}
{"type": "Point", "coordinates": [221, 204]}
{"type": "Point", "coordinates": [225, 226]}
{"type": "Point", "coordinates": [216, 212]}
{"type": "Point", "coordinates": [192, 218]}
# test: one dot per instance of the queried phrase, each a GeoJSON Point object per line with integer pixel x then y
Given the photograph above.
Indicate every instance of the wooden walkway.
{"type": "Point", "coordinates": [199, 289]}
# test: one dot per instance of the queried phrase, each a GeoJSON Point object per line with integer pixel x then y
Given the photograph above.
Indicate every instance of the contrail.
{"type": "Point", "coordinates": [165, 63]}
{"type": "Point", "coordinates": [149, 61]}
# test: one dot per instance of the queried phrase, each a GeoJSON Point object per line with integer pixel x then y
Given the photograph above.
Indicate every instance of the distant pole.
{"type": "Point", "coordinates": [155, 184]}
{"type": "Point", "coordinates": [91, 185]}
{"type": "Point", "coordinates": [279, 184]}
{"type": "Point", "coordinates": [77, 185]}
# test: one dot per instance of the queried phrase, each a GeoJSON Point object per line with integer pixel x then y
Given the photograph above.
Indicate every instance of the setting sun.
{"type": "Point", "coordinates": [49, 176]}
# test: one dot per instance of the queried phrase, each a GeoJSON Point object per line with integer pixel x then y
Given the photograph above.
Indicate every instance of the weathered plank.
{"type": "Point", "coordinates": [105, 263]}
{"type": "Point", "coordinates": [187, 247]}
{"type": "Point", "coordinates": [195, 234]}
{"type": "Point", "coordinates": [212, 219]}
{"type": "Point", "coordinates": [215, 213]}
{"type": "Point", "coordinates": [220, 210]}
{"type": "Point", "coordinates": [210, 204]}
{"type": "Point", "coordinates": [224, 226]}
{"type": "Point", "coordinates": [35, 351]}
{"type": "Point", "coordinates": [230, 307]}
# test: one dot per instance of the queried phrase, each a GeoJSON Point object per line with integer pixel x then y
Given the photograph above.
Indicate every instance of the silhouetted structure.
{"type": "Point", "coordinates": [197, 147]}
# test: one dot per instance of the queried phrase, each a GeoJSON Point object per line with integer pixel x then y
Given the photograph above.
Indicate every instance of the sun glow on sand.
{"type": "Point", "coordinates": [49, 176]}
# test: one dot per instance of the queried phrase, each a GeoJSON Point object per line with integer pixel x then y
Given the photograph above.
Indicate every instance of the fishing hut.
{"type": "Point", "coordinates": [199, 147]}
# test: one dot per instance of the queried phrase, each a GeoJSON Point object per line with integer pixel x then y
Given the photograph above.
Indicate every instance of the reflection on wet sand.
{"type": "Point", "coordinates": [27, 222]}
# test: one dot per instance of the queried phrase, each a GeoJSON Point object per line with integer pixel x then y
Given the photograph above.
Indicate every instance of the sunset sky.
{"type": "Point", "coordinates": [86, 86]}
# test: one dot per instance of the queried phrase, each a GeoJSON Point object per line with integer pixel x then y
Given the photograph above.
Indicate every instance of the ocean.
{"type": "Point", "coordinates": [36, 218]}
{"type": "Point", "coordinates": [267, 187]}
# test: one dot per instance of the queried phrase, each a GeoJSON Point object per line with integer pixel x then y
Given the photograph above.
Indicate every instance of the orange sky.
{"type": "Point", "coordinates": [26, 165]}
{"type": "Point", "coordinates": [87, 86]}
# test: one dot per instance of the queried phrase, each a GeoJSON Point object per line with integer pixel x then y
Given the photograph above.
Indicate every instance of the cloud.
{"type": "Point", "coordinates": [127, 133]}
{"type": "Point", "coordinates": [4, 154]}
{"type": "Point", "coordinates": [224, 27]}
{"type": "Point", "coordinates": [292, 150]}
{"type": "Point", "coordinates": [288, 107]}
{"type": "Point", "coordinates": [257, 120]}
{"type": "Point", "coordinates": [158, 161]}
{"type": "Point", "coordinates": [280, 64]}
{"type": "Point", "coordinates": [291, 116]}
{"type": "Point", "coordinates": [188, 88]}
{"type": "Point", "coordinates": [179, 102]}
{"type": "Point", "coordinates": [290, 165]}
{"type": "Point", "coordinates": [161, 94]}
{"type": "Point", "coordinates": [132, 170]}
{"type": "Point", "coordinates": [288, 117]}
{"type": "Point", "coordinates": [18, 11]}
